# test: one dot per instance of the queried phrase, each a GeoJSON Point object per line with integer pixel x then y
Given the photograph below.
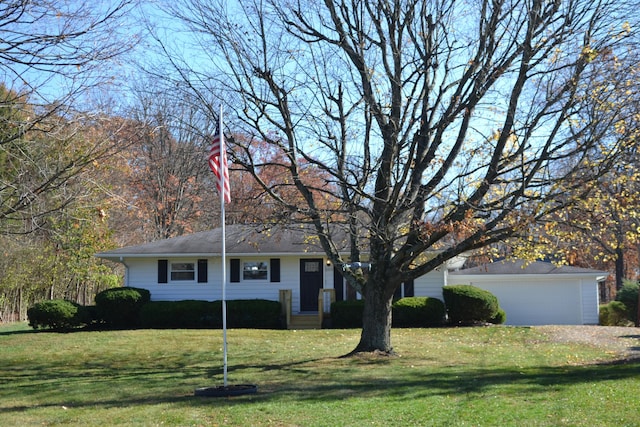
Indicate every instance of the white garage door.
{"type": "Point", "coordinates": [538, 302]}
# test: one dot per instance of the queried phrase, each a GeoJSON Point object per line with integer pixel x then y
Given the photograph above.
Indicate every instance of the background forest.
{"type": "Point", "coordinates": [100, 149]}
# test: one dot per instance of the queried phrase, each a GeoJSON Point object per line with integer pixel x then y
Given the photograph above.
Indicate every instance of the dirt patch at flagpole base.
{"type": "Point", "coordinates": [226, 391]}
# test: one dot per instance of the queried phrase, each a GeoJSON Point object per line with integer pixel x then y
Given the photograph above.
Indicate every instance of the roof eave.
{"type": "Point", "coordinates": [118, 257]}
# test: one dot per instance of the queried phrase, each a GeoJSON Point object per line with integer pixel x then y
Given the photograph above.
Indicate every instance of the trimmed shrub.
{"type": "Point", "coordinates": [191, 314]}
{"type": "Point", "coordinates": [418, 312]}
{"type": "Point", "coordinates": [194, 314]}
{"type": "Point", "coordinates": [628, 295]}
{"type": "Point", "coordinates": [88, 315]}
{"type": "Point", "coordinates": [467, 304]}
{"type": "Point", "coordinates": [614, 314]}
{"type": "Point", "coordinates": [499, 318]}
{"type": "Point", "coordinates": [250, 313]}
{"type": "Point", "coordinates": [120, 307]}
{"type": "Point", "coordinates": [54, 314]}
{"type": "Point", "coordinates": [347, 314]}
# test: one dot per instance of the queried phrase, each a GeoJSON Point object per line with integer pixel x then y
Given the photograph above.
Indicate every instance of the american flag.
{"type": "Point", "coordinates": [219, 166]}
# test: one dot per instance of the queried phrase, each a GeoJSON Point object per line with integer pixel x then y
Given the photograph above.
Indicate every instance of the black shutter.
{"type": "Point", "coordinates": [408, 288]}
{"type": "Point", "coordinates": [235, 270]}
{"type": "Point", "coordinates": [163, 270]}
{"type": "Point", "coordinates": [398, 293]}
{"type": "Point", "coordinates": [275, 269]}
{"type": "Point", "coordinates": [202, 271]}
{"type": "Point", "coordinates": [338, 284]}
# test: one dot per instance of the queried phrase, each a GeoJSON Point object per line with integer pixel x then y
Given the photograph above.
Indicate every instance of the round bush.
{"type": "Point", "coordinates": [88, 315]}
{"type": "Point", "coordinates": [499, 318]}
{"type": "Point", "coordinates": [347, 314]}
{"type": "Point", "coordinates": [417, 312]}
{"type": "Point", "coordinates": [55, 314]}
{"type": "Point", "coordinates": [628, 295]}
{"type": "Point", "coordinates": [467, 304]}
{"type": "Point", "coordinates": [614, 314]}
{"type": "Point", "coordinates": [120, 307]}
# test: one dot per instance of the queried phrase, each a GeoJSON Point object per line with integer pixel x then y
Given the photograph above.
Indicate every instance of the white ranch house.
{"type": "Point", "coordinates": [288, 265]}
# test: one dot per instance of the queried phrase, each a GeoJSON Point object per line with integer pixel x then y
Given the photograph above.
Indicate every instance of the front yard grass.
{"type": "Point", "coordinates": [489, 376]}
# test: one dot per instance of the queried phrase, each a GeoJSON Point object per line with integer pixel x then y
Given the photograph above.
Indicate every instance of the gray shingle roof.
{"type": "Point", "coordinates": [240, 239]}
{"type": "Point", "coordinates": [520, 267]}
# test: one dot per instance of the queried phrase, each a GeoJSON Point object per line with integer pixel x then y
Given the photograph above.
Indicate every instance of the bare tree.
{"type": "Point", "coordinates": [51, 55]}
{"type": "Point", "coordinates": [440, 122]}
{"type": "Point", "coordinates": [169, 179]}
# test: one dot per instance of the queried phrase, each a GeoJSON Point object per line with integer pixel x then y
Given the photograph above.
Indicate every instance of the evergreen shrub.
{"type": "Point", "coordinates": [88, 315]}
{"type": "Point", "coordinates": [499, 318]}
{"type": "Point", "coordinates": [57, 314]}
{"type": "Point", "coordinates": [250, 313]}
{"type": "Point", "coordinates": [194, 314]}
{"type": "Point", "coordinates": [189, 314]}
{"type": "Point", "coordinates": [347, 314]}
{"type": "Point", "coordinates": [467, 304]}
{"type": "Point", "coordinates": [120, 307]}
{"type": "Point", "coordinates": [417, 312]}
{"type": "Point", "coordinates": [614, 313]}
{"type": "Point", "coordinates": [628, 295]}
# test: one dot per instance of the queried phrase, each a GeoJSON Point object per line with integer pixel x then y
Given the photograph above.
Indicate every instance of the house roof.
{"type": "Point", "coordinates": [240, 240]}
{"type": "Point", "coordinates": [525, 267]}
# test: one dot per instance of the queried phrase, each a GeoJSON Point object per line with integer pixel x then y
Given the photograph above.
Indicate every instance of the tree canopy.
{"type": "Point", "coordinates": [443, 126]}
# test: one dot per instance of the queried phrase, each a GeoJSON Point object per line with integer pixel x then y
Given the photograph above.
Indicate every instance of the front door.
{"type": "Point", "coordinates": [310, 283]}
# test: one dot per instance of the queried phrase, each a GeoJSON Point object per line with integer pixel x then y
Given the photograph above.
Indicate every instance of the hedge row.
{"type": "Point", "coordinates": [417, 312]}
{"type": "Point", "coordinates": [260, 314]}
{"type": "Point", "coordinates": [464, 305]}
{"type": "Point", "coordinates": [127, 307]}
{"type": "Point", "coordinates": [131, 308]}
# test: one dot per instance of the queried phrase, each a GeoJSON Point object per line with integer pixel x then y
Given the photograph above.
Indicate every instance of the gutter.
{"type": "Point", "coordinates": [126, 271]}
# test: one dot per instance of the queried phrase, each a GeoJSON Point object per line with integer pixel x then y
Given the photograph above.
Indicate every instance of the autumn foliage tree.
{"type": "Point", "coordinates": [259, 172]}
{"type": "Point", "coordinates": [440, 125]}
{"type": "Point", "coordinates": [601, 229]}
{"type": "Point", "coordinates": [51, 55]}
{"type": "Point", "coordinates": [168, 177]}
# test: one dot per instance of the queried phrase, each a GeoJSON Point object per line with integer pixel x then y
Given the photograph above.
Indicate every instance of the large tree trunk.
{"type": "Point", "coordinates": [619, 268]}
{"type": "Point", "coordinates": [376, 321]}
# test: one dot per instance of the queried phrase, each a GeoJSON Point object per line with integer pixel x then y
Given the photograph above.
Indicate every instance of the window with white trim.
{"type": "Point", "coordinates": [255, 270]}
{"type": "Point", "coordinates": [183, 271]}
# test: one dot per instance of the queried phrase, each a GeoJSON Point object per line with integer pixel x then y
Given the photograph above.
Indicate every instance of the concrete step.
{"type": "Point", "coordinates": [304, 321]}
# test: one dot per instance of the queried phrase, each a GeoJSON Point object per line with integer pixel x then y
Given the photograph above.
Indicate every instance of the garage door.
{"type": "Point", "coordinates": [539, 302]}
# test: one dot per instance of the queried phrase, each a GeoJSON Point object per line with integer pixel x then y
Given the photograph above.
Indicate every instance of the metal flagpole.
{"type": "Point", "coordinates": [223, 158]}
{"type": "Point", "coordinates": [220, 167]}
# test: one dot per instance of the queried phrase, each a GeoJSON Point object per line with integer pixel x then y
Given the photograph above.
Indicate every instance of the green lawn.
{"type": "Point", "coordinates": [498, 376]}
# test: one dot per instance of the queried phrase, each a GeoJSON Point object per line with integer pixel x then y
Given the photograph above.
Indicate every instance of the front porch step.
{"type": "Point", "coordinates": [304, 321]}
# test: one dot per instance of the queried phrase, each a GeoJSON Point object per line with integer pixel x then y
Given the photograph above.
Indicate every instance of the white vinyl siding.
{"type": "Point", "coordinates": [590, 302]}
{"type": "Point", "coordinates": [541, 300]}
{"type": "Point", "coordinates": [143, 273]}
{"type": "Point", "coordinates": [430, 285]}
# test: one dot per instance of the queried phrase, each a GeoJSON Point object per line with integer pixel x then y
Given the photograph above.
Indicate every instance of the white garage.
{"type": "Point", "coordinates": [538, 293]}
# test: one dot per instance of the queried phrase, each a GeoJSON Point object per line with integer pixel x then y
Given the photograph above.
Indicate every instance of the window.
{"type": "Point", "coordinates": [254, 270]}
{"type": "Point", "coordinates": [311, 266]}
{"type": "Point", "coordinates": [183, 271]}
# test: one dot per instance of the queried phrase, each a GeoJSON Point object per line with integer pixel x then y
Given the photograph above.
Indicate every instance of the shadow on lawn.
{"type": "Point", "coordinates": [300, 381]}
{"type": "Point", "coordinates": [18, 332]}
{"type": "Point", "coordinates": [635, 348]}
{"type": "Point", "coordinates": [451, 381]}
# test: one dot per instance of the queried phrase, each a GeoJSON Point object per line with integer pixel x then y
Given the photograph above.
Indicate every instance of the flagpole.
{"type": "Point", "coordinates": [224, 250]}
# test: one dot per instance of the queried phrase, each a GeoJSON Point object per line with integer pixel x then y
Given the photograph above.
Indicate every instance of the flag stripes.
{"type": "Point", "coordinates": [219, 166]}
